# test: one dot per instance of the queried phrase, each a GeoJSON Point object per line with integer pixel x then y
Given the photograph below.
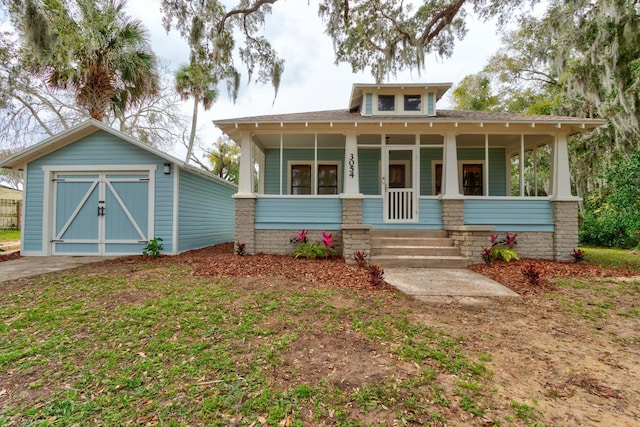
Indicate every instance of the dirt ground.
{"type": "Point", "coordinates": [569, 350]}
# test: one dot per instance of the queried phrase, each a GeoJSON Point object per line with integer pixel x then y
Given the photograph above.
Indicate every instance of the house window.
{"type": "Point", "coordinates": [386, 103]}
{"type": "Point", "coordinates": [472, 179]}
{"type": "Point", "coordinates": [327, 179]}
{"type": "Point", "coordinates": [438, 179]}
{"type": "Point", "coordinates": [300, 179]}
{"type": "Point", "coordinates": [412, 102]}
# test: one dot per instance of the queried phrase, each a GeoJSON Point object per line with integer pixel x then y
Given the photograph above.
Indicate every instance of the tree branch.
{"type": "Point", "coordinates": [246, 11]}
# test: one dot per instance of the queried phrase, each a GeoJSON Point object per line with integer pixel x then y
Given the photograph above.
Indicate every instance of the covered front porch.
{"type": "Point", "coordinates": [350, 180]}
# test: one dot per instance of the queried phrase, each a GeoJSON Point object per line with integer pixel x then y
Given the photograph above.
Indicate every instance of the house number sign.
{"type": "Point", "coordinates": [352, 165]}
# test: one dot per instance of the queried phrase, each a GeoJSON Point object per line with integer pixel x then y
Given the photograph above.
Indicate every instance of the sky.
{"type": "Point", "coordinates": [311, 80]}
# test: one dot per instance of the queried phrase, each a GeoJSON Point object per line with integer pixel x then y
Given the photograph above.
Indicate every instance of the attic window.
{"type": "Point", "coordinates": [386, 103]}
{"type": "Point", "coordinates": [412, 102]}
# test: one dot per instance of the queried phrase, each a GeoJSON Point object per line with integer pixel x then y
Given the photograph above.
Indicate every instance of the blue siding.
{"type": "Point", "coordinates": [497, 167]}
{"type": "Point", "coordinates": [510, 215]}
{"type": "Point", "coordinates": [205, 212]}
{"type": "Point", "coordinates": [429, 215]}
{"type": "Point", "coordinates": [368, 103]}
{"type": "Point", "coordinates": [272, 165]}
{"type": "Point", "coordinates": [369, 170]}
{"type": "Point", "coordinates": [322, 213]}
{"type": "Point", "coordinates": [427, 156]}
{"type": "Point", "coordinates": [99, 148]}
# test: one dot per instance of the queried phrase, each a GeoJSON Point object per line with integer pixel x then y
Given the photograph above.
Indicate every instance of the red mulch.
{"type": "Point", "coordinates": [221, 261]}
{"type": "Point", "coordinates": [9, 256]}
{"type": "Point", "coordinates": [510, 273]}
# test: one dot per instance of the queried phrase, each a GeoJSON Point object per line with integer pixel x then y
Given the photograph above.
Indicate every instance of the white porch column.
{"type": "Point", "coordinates": [245, 175]}
{"type": "Point", "coordinates": [451, 188]}
{"type": "Point", "coordinates": [351, 175]}
{"type": "Point", "coordinates": [561, 183]}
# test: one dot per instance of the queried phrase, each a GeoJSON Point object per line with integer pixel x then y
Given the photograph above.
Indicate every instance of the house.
{"type": "Point", "coordinates": [10, 201]}
{"type": "Point", "coordinates": [8, 193]}
{"type": "Point", "coordinates": [398, 178]}
{"type": "Point", "coordinates": [91, 190]}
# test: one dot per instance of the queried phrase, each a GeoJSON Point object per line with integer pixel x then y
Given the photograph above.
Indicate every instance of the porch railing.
{"type": "Point", "coordinates": [400, 204]}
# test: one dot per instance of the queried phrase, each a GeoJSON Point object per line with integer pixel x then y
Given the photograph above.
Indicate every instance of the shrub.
{"type": "Point", "coordinates": [500, 249]}
{"type": "Point", "coordinates": [577, 255]}
{"type": "Point", "coordinates": [532, 272]}
{"type": "Point", "coordinates": [153, 248]}
{"type": "Point", "coordinates": [312, 250]}
{"type": "Point", "coordinates": [376, 274]}
{"type": "Point", "coordinates": [360, 258]}
{"type": "Point", "coordinates": [241, 248]}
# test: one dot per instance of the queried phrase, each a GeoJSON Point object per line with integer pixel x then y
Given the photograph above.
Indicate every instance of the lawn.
{"type": "Point", "coordinates": [172, 342]}
{"type": "Point", "coordinates": [9, 235]}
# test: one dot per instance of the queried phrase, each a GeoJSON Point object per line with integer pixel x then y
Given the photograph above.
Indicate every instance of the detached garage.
{"type": "Point", "coordinates": [92, 190]}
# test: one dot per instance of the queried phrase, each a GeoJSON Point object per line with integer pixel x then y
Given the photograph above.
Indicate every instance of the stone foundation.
{"type": "Point", "coordinates": [531, 244]}
{"type": "Point", "coordinates": [279, 241]}
{"type": "Point", "coordinates": [245, 219]}
{"type": "Point", "coordinates": [565, 218]}
{"type": "Point", "coordinates": [452, 213]}
{"type": "Point", "coordinates": [355, 238]}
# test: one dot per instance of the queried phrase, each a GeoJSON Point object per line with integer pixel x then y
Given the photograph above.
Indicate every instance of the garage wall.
{"type": "Point", "coordinates": [205, 211]}
{"type": "Point", "coordinates": [99, 148]}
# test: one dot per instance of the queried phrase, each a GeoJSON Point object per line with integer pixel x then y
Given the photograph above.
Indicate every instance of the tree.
{"type": "Point", "coordinates": [225, 159]}
{"type": "Point", "coordinates": [193, 81]}
{"type": "Point", "coordinates": [91, 47]}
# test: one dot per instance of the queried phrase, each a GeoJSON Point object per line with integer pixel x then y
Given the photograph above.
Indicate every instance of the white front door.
{"type": "Point", "coordinates": [100, 213]}
{"type": "Point", "coordinates": [400, 184]}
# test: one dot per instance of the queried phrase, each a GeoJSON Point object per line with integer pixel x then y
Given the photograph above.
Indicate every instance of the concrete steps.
{"type": "Point", "coordinates": [415, 249]}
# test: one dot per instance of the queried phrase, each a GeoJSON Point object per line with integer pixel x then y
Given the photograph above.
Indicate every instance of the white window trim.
{"type": "Point", "coordinates": [399, 104]}
{"type": "Point", "coordinates": [314, 173]}
{"type": "Point", "coordinates": [376, 104]}
{"type": "Point", "coordinates": [461, 163]}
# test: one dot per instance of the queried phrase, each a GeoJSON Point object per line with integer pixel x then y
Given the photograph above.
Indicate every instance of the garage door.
{"type": "Point", "coordinates": [100, 213]}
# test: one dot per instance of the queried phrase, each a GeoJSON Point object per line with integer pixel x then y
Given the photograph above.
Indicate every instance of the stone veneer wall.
{"type": "Point", "coordinates": [565, 218]}
{"type": "Point", "coordinates": [452, 213]}
{"type": "Point", "coordinates": [355, 235]}
{"type": "Point", "coordinates": [245, 223]}
{"type": "Point", "coordinates": [278, 241]}
{"type": "Point", "coordinates": [531, 244]}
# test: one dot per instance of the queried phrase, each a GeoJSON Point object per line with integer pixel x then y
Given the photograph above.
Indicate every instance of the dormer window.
{"type": "Point", "coordinates": [412, 103]}
{"type": "Point", "coordinates": [386, 103]}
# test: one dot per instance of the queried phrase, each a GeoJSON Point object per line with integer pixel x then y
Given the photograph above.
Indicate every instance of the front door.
{"type": "Point", "coordinates": [399, 183]}
{"type": "Point", "coordinates": [100, 213]}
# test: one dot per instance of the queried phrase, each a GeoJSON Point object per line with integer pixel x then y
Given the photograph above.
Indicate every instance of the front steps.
{"type": "Point", "coordinates": [414, 249]}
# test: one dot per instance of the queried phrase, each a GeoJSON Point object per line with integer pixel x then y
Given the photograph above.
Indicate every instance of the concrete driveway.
{"type": "Point", "coordinates": [461, 286]}
{"type": "Point", "coordinates": [32, 266]}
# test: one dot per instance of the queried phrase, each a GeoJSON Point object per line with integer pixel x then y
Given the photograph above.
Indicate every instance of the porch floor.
{"type": "Point", "coordinates": [460, 286]}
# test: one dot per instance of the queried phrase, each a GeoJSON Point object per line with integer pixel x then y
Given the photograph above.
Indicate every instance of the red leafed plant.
{"type": "Point", "coordinates": [376, 274]}
{"type": "Point", "coordinates": [532, 272]}
{"type": "Point", "coordinates": [361, 258]}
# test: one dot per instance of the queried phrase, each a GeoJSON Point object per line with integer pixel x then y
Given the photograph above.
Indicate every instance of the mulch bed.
{"type": "Point", "coordinates": [220, 260]}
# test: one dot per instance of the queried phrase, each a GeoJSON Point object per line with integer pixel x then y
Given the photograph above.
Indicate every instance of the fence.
{"type": "Point", "coordinates": [10, 214]}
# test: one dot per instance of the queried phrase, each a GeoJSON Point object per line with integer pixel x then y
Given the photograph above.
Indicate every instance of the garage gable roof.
{"type": "Point", "coordinates": [88, 127]}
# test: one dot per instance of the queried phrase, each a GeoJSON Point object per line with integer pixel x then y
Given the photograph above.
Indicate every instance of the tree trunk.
{"type": "Point", "coordinates": [194, 123]}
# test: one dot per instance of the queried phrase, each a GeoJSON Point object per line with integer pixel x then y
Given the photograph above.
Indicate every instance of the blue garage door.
{"type": "Point", "coordinates": [101, 213]}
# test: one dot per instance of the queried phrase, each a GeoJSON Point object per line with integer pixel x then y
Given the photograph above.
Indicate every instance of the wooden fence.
{"type": "Point", "coordinates": [10, 214]}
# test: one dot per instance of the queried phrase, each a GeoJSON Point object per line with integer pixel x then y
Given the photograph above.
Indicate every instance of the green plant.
{"type": "Point", "coordinates": [312, 250]}
{"type": "Point", "coordinates": [153, 248]}
{"type": "Point", "coordinates": [500, 249]}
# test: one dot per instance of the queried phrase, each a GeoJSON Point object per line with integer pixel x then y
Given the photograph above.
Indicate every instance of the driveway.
{"type": "Point", "coordinates": [32, 266]}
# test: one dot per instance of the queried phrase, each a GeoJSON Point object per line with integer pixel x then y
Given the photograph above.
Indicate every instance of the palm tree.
{"type": "Point", "coordinates": [194, 81]}
{"type": "Point", "coordinates": [92, 48]}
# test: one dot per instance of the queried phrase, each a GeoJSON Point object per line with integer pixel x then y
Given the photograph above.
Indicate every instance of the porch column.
{"type": "Point", "coordinates": [451, 189]}
{"type": "Point", "coordinates": [561, 183]}
{"type": "Point", "coordinates": [245, 175]}
{"type": "Point", "coordinates": [564, 204]}
{"type": "Point", "coordinates": [351, 175]}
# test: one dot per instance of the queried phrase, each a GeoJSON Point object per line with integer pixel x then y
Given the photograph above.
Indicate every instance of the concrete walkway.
{"type": "Point", "coordinates": [446, 285]}
{"type": "Point", "coordinates": [32, 266]}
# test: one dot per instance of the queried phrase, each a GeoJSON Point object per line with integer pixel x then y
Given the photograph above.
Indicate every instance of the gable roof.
{"type": "Point", "coordinates": [20, 159]}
